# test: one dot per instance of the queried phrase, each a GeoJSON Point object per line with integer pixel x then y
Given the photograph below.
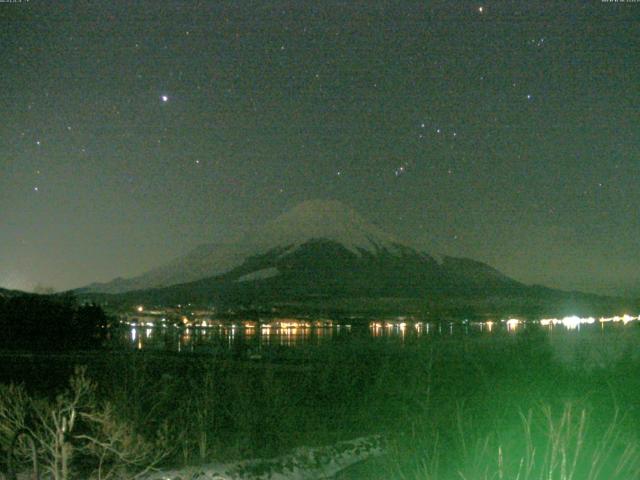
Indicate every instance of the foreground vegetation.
{"type": "Point", "coordinates": [483, 408]}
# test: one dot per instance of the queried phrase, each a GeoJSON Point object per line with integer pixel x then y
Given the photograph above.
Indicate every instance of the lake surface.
{"type": "Point", "coordinates": [571, 339]}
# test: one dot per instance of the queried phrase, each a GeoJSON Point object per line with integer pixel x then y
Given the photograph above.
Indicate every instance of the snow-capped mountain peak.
{"type": "Point", "coordinates": [327, 220]}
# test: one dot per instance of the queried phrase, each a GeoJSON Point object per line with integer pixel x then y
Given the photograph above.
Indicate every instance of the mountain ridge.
{"type": "Point", "coordinates": [323, 253]}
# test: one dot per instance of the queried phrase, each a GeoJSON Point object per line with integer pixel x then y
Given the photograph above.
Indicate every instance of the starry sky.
{"type": "Point", "coordinates": [506, 131]}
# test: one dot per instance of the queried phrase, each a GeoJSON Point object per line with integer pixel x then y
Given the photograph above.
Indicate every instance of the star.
{"type": "Point", "coordinates": [529, 96]}
{"type": "Point", "coordinates": [481, 9]}
{"type": "Point", "coordinates": [164, 98]}
{"type": "Point", "coordinates": [401, 169]}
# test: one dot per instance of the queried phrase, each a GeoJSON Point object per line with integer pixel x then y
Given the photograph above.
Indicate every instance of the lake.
{"type": "Point", "coordinates": [572, 339]}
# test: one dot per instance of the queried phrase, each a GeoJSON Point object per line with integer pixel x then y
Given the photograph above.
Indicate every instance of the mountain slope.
{"type": "Point", "coordinates": [329, 220]}
{"type": "Point", "coordinates": [324, 270]}
{"type": "Point", "coordinates": [204, 261]}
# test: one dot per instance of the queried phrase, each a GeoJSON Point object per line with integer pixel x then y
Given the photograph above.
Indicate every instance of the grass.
{"type": "Point", "coordinates": [465, 408]}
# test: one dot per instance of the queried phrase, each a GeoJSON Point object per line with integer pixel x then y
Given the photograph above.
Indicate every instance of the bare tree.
{"type": "Point", "coordinates": [75, 435]}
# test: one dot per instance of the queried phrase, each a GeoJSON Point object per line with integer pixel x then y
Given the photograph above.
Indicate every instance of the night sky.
{"type": "Point", "coordinates": [505, 131]}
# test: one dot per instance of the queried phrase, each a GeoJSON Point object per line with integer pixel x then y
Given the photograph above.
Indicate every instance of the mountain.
{"type": "Point", "coordinates": [323, 252]}
{"type": "Point", "coordinates": [328, 220]}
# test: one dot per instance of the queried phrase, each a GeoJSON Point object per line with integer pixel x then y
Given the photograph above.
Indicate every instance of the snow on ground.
{"type": "Point", "coordinates": [259, 274]}
{"type": "Point", "coordinates": [302, 464]}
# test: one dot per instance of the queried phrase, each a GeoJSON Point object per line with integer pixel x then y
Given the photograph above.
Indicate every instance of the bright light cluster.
{"type": "Point", "coordinates": [573, 322]}
{"type": "Point", "coordinates": [626, 318]}
{"type": "Point", "coordinates": [513, 323]}
{"type": "Point", "coordinates": [399, 325]}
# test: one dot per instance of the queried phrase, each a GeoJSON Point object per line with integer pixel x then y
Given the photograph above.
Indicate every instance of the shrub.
{"type": "Point", "coordinates": [75, 435]}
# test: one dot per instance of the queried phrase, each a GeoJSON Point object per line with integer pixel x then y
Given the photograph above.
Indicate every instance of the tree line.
{"type": "Point", "coordinates": [50, 322]}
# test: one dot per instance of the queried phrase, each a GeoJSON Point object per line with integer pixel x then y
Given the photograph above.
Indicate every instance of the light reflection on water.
{"type": "Point", "coordinates": [221, 338]}
{"type": "Point", "coordinates": [251, 338]}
